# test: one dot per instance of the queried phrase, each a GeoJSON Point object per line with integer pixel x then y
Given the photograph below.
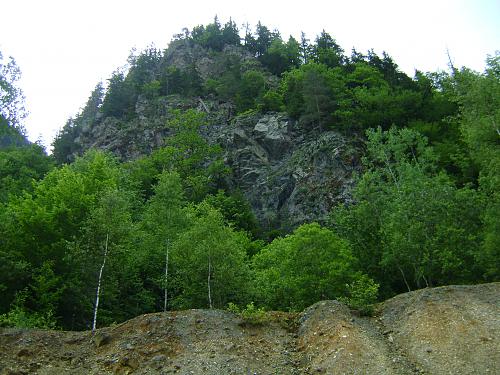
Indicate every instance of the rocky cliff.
{"type": "Point", "coordinates": [289, 174]}
{"type": "Point", "coordinates": [289, 171]}
{"type": "Point", "coordinates": [446, 330]}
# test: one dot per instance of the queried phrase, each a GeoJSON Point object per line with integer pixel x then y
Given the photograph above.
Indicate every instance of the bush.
{"type": "Point", "coordinates": [250, 314]}
{"type": "Point", "coordinates": [20, 317]}
{"type": "Point", "coordinates": [362, 295]}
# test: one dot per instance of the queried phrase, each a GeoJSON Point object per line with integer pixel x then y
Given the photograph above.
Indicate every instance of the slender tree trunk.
{"type": "Point", "coordinates": [96, 307]}
{"type": "Point", "coordinates": [166, 278]}
{"type": "Point", "coordinates": [404, 278]}
{"type": "Point", "coordinates": [209, 286]}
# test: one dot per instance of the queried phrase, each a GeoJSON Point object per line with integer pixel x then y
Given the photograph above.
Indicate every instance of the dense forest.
{"type": "Point", "coordinates": [86, 228]}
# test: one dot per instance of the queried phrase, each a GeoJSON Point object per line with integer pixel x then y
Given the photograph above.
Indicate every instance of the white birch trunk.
{"type": "Point", "coordinates": [209, 287]}
{"type": "Point", "coordinates": [165, 302]}
{"type": "Point", "coordinates": [94, 323]}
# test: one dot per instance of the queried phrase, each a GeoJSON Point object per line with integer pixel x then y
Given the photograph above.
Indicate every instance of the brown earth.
{"type": "Point", "coordinates": [446, 330]}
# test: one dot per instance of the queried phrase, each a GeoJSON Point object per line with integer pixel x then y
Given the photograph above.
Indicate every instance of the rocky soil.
{"type": "Point", "coordinates": [446, 330]}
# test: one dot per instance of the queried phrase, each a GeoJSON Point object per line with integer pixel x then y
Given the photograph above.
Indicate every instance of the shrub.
{"type": "Point", "coordinates": [250, 314]}
{"type": "Point", "coordinates": [363, 294]}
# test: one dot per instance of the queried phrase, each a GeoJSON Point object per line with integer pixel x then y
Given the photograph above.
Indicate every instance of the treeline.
{"type": "Point", "coordinates": [165, 232]}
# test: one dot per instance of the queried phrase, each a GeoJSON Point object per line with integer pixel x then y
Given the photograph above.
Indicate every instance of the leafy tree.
{"type": "Point", "coordinates": [272, 101]}
{"type": "Point", "coordinates": [478, 96]}
{"type": "Point", "coordinates": [309, 265]}
{"type": "Point", "coordinates": [106, 232]}
{"type": "Point", "coordinates": [251, 91]}
{"type": "Point", "coordinates": [164, 220]}
{"type": "Point", "coordinates": [280, 56]}
{"type": "Point", "coordinates": [42, 226]}
{"type": "Point", "coordinates": [120, 97]}
{"type": "Point", "coordinates": [311, 93]}
{"type": "Point", "coordinates": [64, 144]}
{"type": "Point", "coordinates": [371, 101]}
{"type": "Point", "coordinates": [326, 51]}
{"type": "Point", "coordinates": [236, 211]}
{"type": "Point", "coordinates": [249, 41]}
{"type": "Point", "coordinates": [228, 84]}
{"type": "Point", "coordinates": [210, 259]}
{"type": "Point", "coordinates": [174, 80]}
{"type": "Point", "coordinates": [187, 152]}
{"type": "Point", "coordinates": [230, 33]}
{"type": "Point", "coordinates": [430, 231]}
{"type": "Point", "coordinates": [215, 36]}
{"type": "Point", "coordinates": [263, 39]}
{"type": "Point", "coordinates": [10, 136]}
{"type": "Point", "coordinates": [11, 97]}
{"type": "Point", "coordinates": [65, 147]}
{"type": "Point", "coordinates": [20, 167]}
{"type": "Point", "coordinates": [143, 67]}
{"type": "Point", "coordinates": [411, 227]}
{"type": "Point", "coordinates": [305, 49]}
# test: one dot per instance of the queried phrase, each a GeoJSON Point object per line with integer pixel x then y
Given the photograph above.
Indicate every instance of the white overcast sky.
{"type": "Point", "coordinates": [65, 47]}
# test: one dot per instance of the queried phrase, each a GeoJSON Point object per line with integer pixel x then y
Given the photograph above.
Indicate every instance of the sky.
{"type": "Point", "coordinates": [65, 47]}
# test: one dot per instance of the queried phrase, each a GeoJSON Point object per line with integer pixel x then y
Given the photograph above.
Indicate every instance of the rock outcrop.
{"type": "Point", "coordinates": [289, 175]}
{"type": "Point", "coordinates": [289, 172]}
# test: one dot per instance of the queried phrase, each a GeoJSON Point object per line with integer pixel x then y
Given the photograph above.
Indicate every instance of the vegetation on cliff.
{"type": "Point", "coordinates": [167, 230]}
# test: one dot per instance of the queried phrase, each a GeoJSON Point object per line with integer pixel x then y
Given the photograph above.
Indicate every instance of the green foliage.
{"type": "Point", "coordinates": [251, 91]}
{"type": "Point", "coordinates": [478, 96]}
{"type": "Point", "coordinates": [281, 57]}
{"type": "Point", "coordinates": [250, 314]}
{"type": "Point", "coordinates": [164, 220]}
{"type": "Point", "coordinates": [302, 268]}
{"type": "Point", "coordinates": [327, 51]}
{"type": "Point", "coordinates": [65, 147]}
{"type": "Point", "coordinates": [272, 101]}
{"type": "Point", "coordinates": [211, 262]}
{"type": "Point", "coordinates": [186, 152]}
{"type": "Point", "coordinates": [20, 167]}
{"type": "Point", "coordinates": [312, 92]}
{"type": "Point", "coordinates": [411, 227]}
{"type": "Point", "coordinates": [10, 136]}
{"type": "Point", "coordinates": [215, 36]}
{"type": "Point", "coordinates": [362, 294]}
{"type": "Point", "coordinates": [120, 97]}
{"type": "Point", "coordinates": [173, 80]}
{"type": "Point", "coordinates": [11, 97]}
{"type": "Point", "coordinates": [424, 209]}
{"type": "Point", "coordinates": [197, 162]}
{"type": "Point", "coordinates": [235, 210]}
{"type": "Point", "coordinates": [20, 317]}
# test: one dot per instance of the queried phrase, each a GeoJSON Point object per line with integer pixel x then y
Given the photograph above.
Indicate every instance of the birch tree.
{"type": "Point", "coordinates": [109, 223]}
{"type": "Point", "coordinates": [211, 262]}
{"type": "Point", "coordinates": [163, 221]}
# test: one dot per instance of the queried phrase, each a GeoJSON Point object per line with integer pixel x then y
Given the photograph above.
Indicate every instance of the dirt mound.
{"type": "Point", "coordinates": [448, 330]}
{"type": "Point", "coordinates": [332, 340]}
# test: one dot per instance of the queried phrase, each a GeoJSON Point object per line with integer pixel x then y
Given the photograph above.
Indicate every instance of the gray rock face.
{"type": "Point", "coordinates": [288, 174]}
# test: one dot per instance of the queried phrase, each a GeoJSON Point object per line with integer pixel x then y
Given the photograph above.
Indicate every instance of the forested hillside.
{"type": "Point", "coordinates": [254, 169]}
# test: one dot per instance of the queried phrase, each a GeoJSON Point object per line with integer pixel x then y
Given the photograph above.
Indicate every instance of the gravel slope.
{"type": "Point", "coordinates": [447, 330]}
